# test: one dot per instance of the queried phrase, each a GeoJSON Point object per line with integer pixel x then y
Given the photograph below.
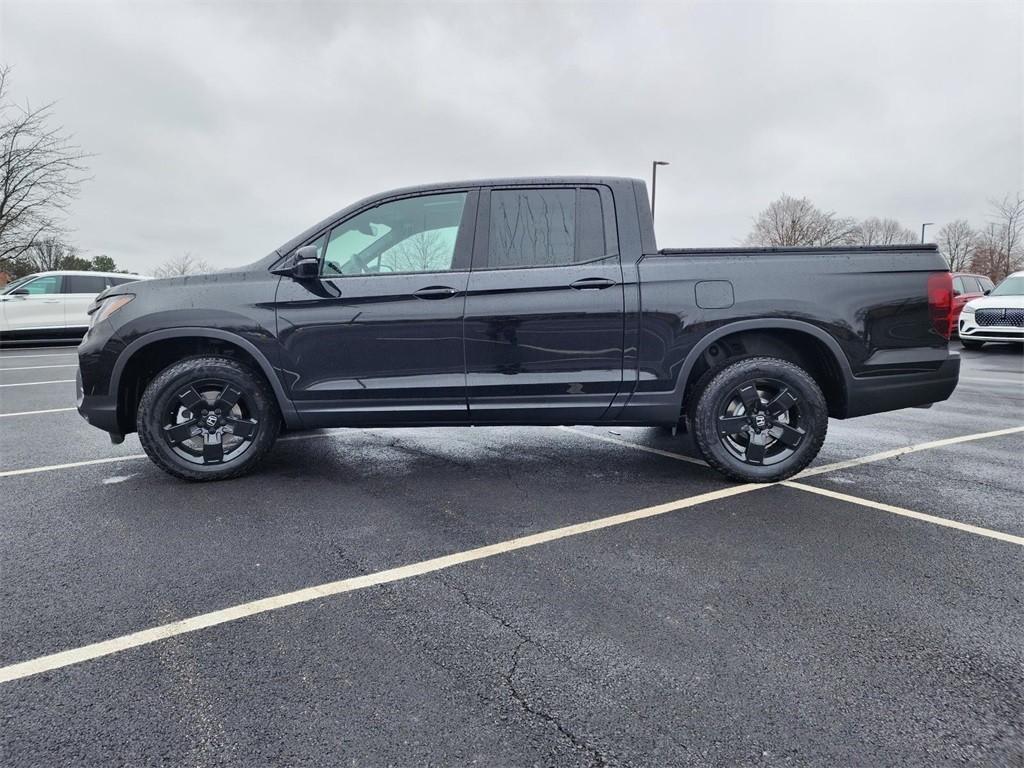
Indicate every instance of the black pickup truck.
{"type": "Point", "coordinates": [511, 302]}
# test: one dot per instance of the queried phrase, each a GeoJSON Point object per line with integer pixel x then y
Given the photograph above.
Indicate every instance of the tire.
{"type": "Point", "coordinates": [971, 344]}
{"type": "Point", "coordinates": [768, 439]}
{"type": "Point", "coordinates": [223, 414]}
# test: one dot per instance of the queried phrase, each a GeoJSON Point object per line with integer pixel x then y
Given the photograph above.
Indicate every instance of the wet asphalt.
{"type": "Point", "coordinates": [774, 628]}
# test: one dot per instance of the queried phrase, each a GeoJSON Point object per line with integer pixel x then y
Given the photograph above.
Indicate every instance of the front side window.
{"type": "Point", "coordinates": [544, 227]}
{"type": "Point", "coordinates": [958, 285]}
{"type": "Point", "coordinates": [417, 234]}
{"type": "Point", "coordinates": [42, 285]}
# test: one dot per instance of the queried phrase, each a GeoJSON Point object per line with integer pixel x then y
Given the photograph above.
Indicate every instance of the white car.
{"type": "Point", "coordinates": [53, 306]}
{"type": "Point", "coordinates": [999, 316]}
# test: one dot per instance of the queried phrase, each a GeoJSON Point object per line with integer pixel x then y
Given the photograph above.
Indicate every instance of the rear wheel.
{"type": "Point", "coordinates": [759, 419]}
{"type": "Point", "coordinates": [207, 418]}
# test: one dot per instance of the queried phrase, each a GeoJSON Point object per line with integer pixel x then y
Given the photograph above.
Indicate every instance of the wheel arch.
{"type": "Point", "coordinates": [800, 342]}
{"type": "Point", "coordinates": [144, 357]}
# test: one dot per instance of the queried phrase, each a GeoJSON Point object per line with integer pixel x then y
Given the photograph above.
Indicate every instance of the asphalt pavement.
{"type": "Point", "coordinates": [629, 606]}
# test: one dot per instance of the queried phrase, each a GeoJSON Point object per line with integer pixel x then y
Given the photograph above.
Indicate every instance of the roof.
{"type": "Point", "coordinates": [87, 273]}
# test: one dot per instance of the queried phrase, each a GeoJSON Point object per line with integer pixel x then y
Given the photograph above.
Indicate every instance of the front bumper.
{"type": "Point", "coordinates": [98, 410]}
{"type": "Point", "coordinates": [971, 331]}
{"type": "Point", "coordinates": [875, 394]}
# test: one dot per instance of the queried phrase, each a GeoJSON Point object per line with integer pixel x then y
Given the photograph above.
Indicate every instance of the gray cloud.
{"type": "Point", "coordinates": [223, 129]}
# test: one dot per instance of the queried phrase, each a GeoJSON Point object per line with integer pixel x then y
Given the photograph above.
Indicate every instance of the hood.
{"type": "Point", "coordinates": [996, 302]}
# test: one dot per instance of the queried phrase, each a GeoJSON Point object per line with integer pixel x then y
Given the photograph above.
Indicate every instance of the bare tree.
{"type": "Point", "coordinates": [957, 241]}
{"type": "Point", "coordinates": [52, 253]}
{"type": "Point", "coordinates": [1005, 236]}
{"type": "Point", "coordinates": [186, 264]}
{"type": "Point", "coordinates": [876, 231]}
{"type": "Point", "coordinates": [793, 221]}
{"type": "Point", "coordinates": [40, 173]}
{"type": "Point", "coordinates": [419, 253]}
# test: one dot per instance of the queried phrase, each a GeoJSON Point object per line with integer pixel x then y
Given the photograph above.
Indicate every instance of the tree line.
{"type": "Point", "coordinates": [995, 249]}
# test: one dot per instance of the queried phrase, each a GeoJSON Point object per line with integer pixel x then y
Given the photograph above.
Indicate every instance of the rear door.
{"type": "Point", "coordinates": [79, 292]}
{"type": "Point", "coordinates": [42, 307]}
{"type": "Point", "coordinates": [544, 306]}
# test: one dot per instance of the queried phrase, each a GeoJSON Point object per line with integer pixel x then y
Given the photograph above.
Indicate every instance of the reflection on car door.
{"type": "Point", "coordinates": [42, 307]}
{"type": "Point", "coordinates": [378, 338]}
{"type": "Point", "coordinates": [544, 310]}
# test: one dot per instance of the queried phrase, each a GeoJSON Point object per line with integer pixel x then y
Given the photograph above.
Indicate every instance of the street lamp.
{"type": "Point", "coordinates": [926, 224]}
{"type": "Point", "coordinates": [654, 182]}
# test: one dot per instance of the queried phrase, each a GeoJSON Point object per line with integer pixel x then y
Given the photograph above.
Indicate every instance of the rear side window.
{"type": "Point", "coordinates": [85, 284]}
{"type": "Point", "coordinates": [120, 280]}
{"type": "Point", "coordinates": [972, 285]}
{"type": "Point", "coordinates": [544, 227]}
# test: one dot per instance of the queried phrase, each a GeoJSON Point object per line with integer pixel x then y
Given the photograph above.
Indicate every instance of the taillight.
{"type": "Point", "coordinates": [940, 302]}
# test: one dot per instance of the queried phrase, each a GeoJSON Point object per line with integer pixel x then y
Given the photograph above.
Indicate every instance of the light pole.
{"type": "Point", "coordinates": [926, 224]}
{"type": "Point", "coordinates": [654, 182]}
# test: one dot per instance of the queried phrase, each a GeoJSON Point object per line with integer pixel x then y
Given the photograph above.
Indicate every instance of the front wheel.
{"type": "Point", "coordinates": [207, 418]}
{"type": "Point", "coordinates": [760, 419]}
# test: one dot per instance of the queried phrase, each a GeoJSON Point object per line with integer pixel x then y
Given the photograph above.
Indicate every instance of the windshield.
{"type": "Point", "coordinates": [15, 283]}
{"type": "Point", "coordinates": [1011, 286]}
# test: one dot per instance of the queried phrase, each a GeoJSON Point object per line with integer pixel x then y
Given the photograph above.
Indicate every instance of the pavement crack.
{"type": "Point", "coordinates": [597, 759]}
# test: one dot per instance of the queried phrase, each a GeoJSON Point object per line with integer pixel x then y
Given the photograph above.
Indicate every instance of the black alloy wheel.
{"type": "Point", "coordinates": [759, 422]}
{"type": "Point", "coordinates": [758, 419]}
{"type": "Point", "coordinates": [208, 418]}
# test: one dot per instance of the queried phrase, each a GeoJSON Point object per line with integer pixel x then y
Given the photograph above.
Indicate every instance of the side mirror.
{"type": "Point", "coordinates": [987, 291]}
{"type": "Point", "coordinates": [303, 265]}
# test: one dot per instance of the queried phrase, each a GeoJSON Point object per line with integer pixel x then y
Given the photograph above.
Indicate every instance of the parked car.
{"type": "Point", "coordinates": [53, 306]}
{"type": "Point", "coordinates": [966, 287]}
{"type": "Point", "coordinates": [536, 301]}
{"type": "Point", "coordinates": [999, 316]}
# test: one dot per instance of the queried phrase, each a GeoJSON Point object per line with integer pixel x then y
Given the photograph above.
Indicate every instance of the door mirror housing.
{"type": "Point", "coordinates": [987, 291]}
{"type": "Point", "coordinates": [303, 265]}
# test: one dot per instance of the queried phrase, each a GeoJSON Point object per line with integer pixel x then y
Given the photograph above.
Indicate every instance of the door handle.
{"type": "Point", "coordinates": [435, 292]}
{"type": "Point", "coordinates": [592, 284]}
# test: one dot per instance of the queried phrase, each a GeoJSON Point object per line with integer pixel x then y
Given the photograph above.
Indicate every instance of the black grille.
{"type": "Point", "coordinates": [1011, 317]}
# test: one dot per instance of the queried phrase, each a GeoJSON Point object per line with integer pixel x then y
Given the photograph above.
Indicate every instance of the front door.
{"type": "Point", "coordinates": [378, 338]}
{"type": "Point", "coordinates": [37, 305]}
{"type": "Point", "coordinates": [544, 310]}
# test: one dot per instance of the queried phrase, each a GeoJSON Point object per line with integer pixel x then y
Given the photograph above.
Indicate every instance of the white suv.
{"type": "Point", "coordinates": [997, 316]}
{"type": "Point", "coordinates": [53, 305]}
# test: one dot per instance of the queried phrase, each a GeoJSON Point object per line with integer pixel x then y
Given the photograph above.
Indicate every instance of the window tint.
{"type": "Point", "coordinates": [413, 235]}
{"type": "Point", "coordinates": [958, 285]}
{"type": "Point", "coordinates": [85, 284]}
{"type": "Point", "coordinates": [120, 280]}
{"type": "Point", "coordinates": [544, 227]}
{"type": "Point", "coordinates": [971, 285]}
{"type": "Point", "coordinates": [43, 285]}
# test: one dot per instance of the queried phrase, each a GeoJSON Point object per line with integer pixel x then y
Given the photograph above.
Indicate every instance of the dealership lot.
{"type": "Point", "coordinates": [635, 609]}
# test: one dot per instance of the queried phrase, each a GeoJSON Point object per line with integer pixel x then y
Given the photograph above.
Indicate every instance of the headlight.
{"type": "Point", "coordinates": [104, 308]}
{"type": "Point", "coordinates": [967, 310]}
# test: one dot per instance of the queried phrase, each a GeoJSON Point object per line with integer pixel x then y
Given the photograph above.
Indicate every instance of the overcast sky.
{"type": "Point", "coordinates": [225, 128]}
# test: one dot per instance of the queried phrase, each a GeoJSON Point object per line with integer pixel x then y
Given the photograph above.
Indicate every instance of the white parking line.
{"type": "Point", "coordinates": [116, 645]}
{"type": "Point", "coordinates": [130, 456]}
{"type": "Point", "coordinates": [988, 532]}
{"type": "Point", "coordinates": [37, 367]}
{"type": "Point", "coordinates": [57, 354]}
{"type": "Point", "coordinates": [33, 413]}
{"type": "Point", "coordinates": [34, 383]}
{"type": "Point", "coordinates": [811, 471]}
{"type": "Point", "coordinates": [638, 446]}
{"type": "Point", "coordinates": [1018, 382]}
